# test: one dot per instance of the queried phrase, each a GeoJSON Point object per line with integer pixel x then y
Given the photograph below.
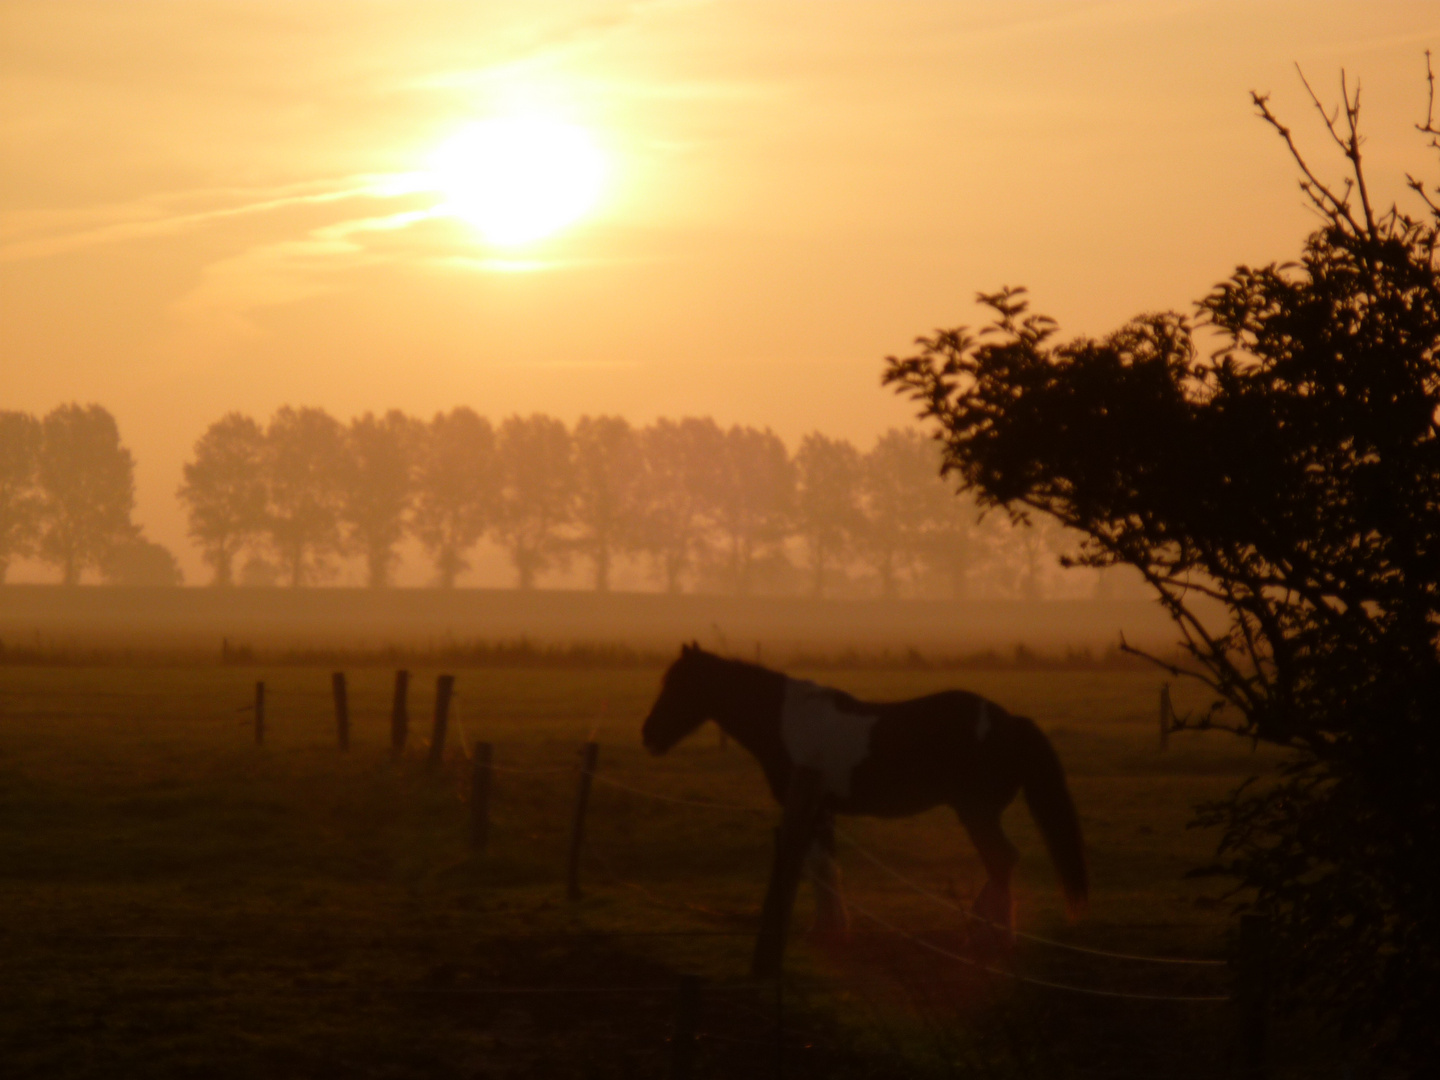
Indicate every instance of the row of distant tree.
{"type": "Point", "coordinates": [67, 495]}
{"type": "Point", "coordinates": [696, 505]}
{"type": "Point", "coordinates": [700, 506]}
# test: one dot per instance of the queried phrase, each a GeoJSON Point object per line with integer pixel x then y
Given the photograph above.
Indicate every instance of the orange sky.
{"type": "Point", "coordinates": [201, 202]}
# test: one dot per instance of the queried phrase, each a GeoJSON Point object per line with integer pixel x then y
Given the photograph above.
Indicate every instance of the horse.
{"type": "Point", "coordinates": [885, 759]}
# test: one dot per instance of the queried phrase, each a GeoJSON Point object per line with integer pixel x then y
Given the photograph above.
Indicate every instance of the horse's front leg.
{"type": "Point", "coordinates": [831, 918]}
{"type": "Point", "coordinates": [994, 907]}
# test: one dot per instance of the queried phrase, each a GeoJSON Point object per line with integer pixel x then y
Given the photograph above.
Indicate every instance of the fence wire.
{"type": "Point", "coordinates": [317, 695]}
{"type": "Point", "coordinates": [870, 857]}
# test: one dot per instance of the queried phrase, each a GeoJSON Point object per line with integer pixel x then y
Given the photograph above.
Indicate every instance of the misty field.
{"type": "Point", "coordinates": [176, 901]}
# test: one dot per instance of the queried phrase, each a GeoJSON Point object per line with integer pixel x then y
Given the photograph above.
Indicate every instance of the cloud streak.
{"type": "Point", "coordinates": [146, 220]}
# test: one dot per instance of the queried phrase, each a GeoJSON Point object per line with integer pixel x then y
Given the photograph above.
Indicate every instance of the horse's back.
{"type": "Point", "coordinates": [925, 752]}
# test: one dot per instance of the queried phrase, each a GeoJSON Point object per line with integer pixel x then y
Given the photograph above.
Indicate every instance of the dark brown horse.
{"type": "Point", "coordinates": [886, 759]}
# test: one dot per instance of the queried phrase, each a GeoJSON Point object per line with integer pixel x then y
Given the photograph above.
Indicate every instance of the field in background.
{"type": "Point", "coordinates": [53, 621]}
{"type": "Point", "coordinates": [176, 901]}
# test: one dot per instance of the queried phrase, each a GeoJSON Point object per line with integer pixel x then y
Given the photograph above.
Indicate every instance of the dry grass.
{"type": "Point", "coordinates": [177, 902]}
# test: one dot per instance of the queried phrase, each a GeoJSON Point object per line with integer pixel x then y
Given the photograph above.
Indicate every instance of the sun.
{"type": "Point", "coordinates": [518, 179]}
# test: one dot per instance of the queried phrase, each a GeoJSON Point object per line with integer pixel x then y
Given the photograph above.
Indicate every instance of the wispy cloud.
{"type": "Point", "coordinates": [58, 234]}
{"type": "Point", "coordinates": [296, 267]}
{"type": "Point", "coordinates": [268, 275]}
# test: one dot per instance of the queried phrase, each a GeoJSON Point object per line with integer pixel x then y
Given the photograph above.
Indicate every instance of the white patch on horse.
{"type": "Point", "coordinates": [820, 736]}
{"type": "Point", "coordinates": [982, 725]}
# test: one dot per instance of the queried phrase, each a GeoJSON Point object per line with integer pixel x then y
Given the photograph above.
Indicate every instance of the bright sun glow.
{"type": "Point", "coordinates": [519, 179]}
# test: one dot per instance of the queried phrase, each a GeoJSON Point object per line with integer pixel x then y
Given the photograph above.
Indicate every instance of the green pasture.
{"type": "Point", "coordinates": [176, 901]}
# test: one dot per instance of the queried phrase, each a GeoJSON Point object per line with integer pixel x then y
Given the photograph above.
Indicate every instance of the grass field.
{"type": "Point", "coordinates": [175, 901]}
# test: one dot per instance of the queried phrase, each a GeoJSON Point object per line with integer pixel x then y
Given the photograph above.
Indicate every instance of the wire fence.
{"type": "Point", "coordinates": [919, 939]}
{"type": "Point", "coordinates": [279, 695]}
{"type": "Point", "coordinates": [1110, 954]}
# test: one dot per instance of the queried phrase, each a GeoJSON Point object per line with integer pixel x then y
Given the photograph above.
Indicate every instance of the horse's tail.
{"type": "Point", "coordinates": [1048, 796]}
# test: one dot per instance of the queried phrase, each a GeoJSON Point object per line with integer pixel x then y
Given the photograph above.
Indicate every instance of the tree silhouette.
{"type": "Point", "coordinates": [680, 461]}
{"type": "Point", "coordinates": [138, 561]}
{"type": "Point", "coordinates": [20, 502]}
{"type": "Point", "coordinates": [902, 496]}
{"type": "Point", "coordinates": [305, 468]}
{"type": "Point", "coordinates": [684, 493]}
{"type": "Point", "coordinates": [224, 492]}
{"type": "Point", "coordinates": [1292, 479]}
{"type": "Point", "coordinates": [1035, 544]}
{"type": "Point", "coordinates": [752, 504]}
{"type": "Point", "coordinates": [827, 503]}
{"type": "Point", "coordinates": [607, 491]}
{"type": "Point", "coordinates": [956, 548]}
{"type": "Point", "coordinates": [258, 572]}
{"type": "Point", "coordinates": [537, 492]}
{"type": "Point", "coordinates": [456, 488]}
{"type": "Point", "coordinates": [87, 484]}
{"type": "Point", "coordinates": [379, 487]}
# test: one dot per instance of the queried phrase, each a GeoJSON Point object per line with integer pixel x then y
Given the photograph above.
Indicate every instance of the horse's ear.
{"type": "Point", "coordinates": [686, 648]}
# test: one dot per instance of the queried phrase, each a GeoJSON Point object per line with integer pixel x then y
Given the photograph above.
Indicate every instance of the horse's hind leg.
{"type": "Point", "coordinates": [993, 907]}
{"type": "Point", "coordinates": [831, 918]}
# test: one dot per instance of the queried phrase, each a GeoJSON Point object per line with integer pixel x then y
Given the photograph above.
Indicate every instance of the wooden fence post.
{"type": "Point", "coordinates": [797, 829]}
{"type": "Point", "coordinates": [577, 823]}
{"type": "Point", "coordinates": [1166, 712]}
{"type": "Point", "coordinates": [687, 1017]}
{"type": "Point", "coordinates": [1252, 993]}
{"type": "Point", "coordinates": [342, 709]}
{"type": "Point", "coordinates": [444, 687]}
{"type": "Point", "coordinates": [259, 714]}
{"type": "Point", "coordinates": [480, 797]}
{"type": "Point", "coordinates": [400, 714]}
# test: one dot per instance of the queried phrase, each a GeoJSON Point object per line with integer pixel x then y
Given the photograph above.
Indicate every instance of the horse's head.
{"type": "Point", "coordinates": [683, 704]}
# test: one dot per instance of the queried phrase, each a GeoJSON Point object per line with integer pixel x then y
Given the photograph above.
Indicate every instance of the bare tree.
{"type": "Point", "coordinates": [305, 472]}
{"type": "Point", "coordinates": [87, 482]}
{"type": "Point", "coordinates": [379, 488]}
{"type": "Point", "coordinates": [827, 504]}
{"type": "Point", "coordinates": [224, 491]}
{"type": "Point", "coordinates": [537, 493]}
{"type": "Point", "coordinates": [456, 488]}
{"type": "Point", "coordinates": [607, 490]}
{"type": "Point", "coordinates": [680, 468]}
{"type": "Point", "coordinates": [20, 502]}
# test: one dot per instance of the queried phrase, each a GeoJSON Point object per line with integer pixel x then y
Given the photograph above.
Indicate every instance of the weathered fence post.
{"type": "Point", "coordinates": [342, 709]}
{"type": "Point", "coordinates": [259, 714]}
{"type": "Point", "coordinates": [1166, 712]}
{"type": "Point", "coordinates": [577, 823]}
{"type": "Point", "coordinates": [1252, 993]}
{"type": "Point", "coordinates": [687, 1018]}
{"type": "Point", "coordinates": [480, 797]}
{"type": "Point", "coordinates": [797, 829]}
{"type": "Point", "coordinates": [400, 714]}
{"type": "Point", "coordinates": [444, 687]}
